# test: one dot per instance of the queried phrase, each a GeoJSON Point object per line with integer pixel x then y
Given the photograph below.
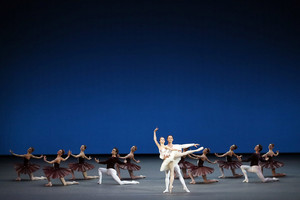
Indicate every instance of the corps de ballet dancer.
{"type": "Point", "coordinates": [185, 166]}
{"type": "Point", "coordinates": [272, 164]}
{"type": "Point", "coordinates": [229, 163]}
{"type": "Point", "coordinates": [254, 167]}
{"type": "Point", "coordinates": [128, 165]}
{"type": "Point", "coordinates": [56, 171]}
{"type": "Point", "coordinates": [26, 167]}
{"type": "Point", "coordinates": [171, 155]}
{"type": "Point", "coordinates": [82, 166]}
{"type": "Point", "coordinates": [109, 170]}
{"type": "Point", "coordinates": [201, 170]}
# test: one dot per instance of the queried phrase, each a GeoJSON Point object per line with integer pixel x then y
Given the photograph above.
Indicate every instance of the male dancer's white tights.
{"type": "Point", "coordinates": [255, 169]}
{"type": "Point", "coordinates": [178, 172]}
{"type": "Point", "coordinates": [113, 173]}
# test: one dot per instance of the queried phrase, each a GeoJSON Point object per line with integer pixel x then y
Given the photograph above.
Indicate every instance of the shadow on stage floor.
{"type": "Point", "coordinates": [152, 186]}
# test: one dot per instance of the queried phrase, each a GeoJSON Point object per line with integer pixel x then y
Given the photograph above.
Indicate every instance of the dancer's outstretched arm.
{"type": "Point", "coordinates": [193, 156]}
{"type": "Point", "coordinates": [277, 153]}
{"type": "Point", "coordinates": [210, 161]}
{"type": "Point", "coordinates": [64, 159]}
{"type": "Point", "coordinates": [37, 157]}
{"type": "Point", "coordinates": [155, 139]}
{"type": "Point", "coordinates": [124, 156]}
{"type": "Point", "coordinates": [88, 158]}
{"type": "Point", "coordinates": [14, 154]}
{"type": "Point", "coordinates": [50, 162]}
{"type": "Point", "coordinates": [220, 156]}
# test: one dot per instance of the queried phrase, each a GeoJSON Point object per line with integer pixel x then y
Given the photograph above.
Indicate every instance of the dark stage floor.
{"type": "Point", "coordinates": [152, 186]}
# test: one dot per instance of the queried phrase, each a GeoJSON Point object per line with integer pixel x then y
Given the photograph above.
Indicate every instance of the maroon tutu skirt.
{"type": "Point", "coordinates": [186, 165]}
{"type": "Point", "coordinates": [229, 165]}
{"type": "Point", "coordinates": [52, 172]}
{"type": "Point", "coordinates": [200, 171]}
{"type": "Point", "coordinates": [272, 164]}
{"type": "Point", "coordinates": [26, 169]}
{"type": "Point", "coordinates": [130, 166]}
{"type": "Point", "coordinates": [81, 167]}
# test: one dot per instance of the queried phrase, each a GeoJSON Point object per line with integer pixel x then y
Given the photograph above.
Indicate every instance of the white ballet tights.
{"type": "Point", "coordinates": [113, 173]}
{"type": "Point", "coordinates": [255, 169]}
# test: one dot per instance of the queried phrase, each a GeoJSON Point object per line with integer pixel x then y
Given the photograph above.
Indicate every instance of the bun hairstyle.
{"type": "Point", "coordinates": [135, 148]}
{"type": "Point", "coordinates": [117, 150]}
{"type": "Point", "coordinates": [234, 147]}
{"type": "Point", "coordinates": [62, 152]}
{"type": "Point", "coordinates": [32, 149]}
{"type": "Point", "coordinates": [260, 147]}
{"type": "Point", "coordinates": [208, 150]}
{"type": "Point", "coordinates": [84, 147]}
{"type": "Point", "coordinates": [170, 136]}
{"type": "Point", "coordinates": [272, 145]}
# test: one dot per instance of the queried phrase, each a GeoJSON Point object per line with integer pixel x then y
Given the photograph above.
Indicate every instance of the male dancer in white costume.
{"type": "Point", "coordinates": [175, 159]}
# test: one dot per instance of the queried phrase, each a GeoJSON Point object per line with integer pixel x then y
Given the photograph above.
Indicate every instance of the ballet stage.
{"type": "Point", "coordinates": [152, 186]}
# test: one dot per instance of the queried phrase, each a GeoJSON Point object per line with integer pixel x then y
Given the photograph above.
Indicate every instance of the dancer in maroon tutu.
{"type": "Point", "coordinates": [130, 166]}
{"type": "Point", "coordinates": [56, 171]}
{"type": "Point", "coordinates": [26, 167]}
{"type": "Point", "coordinates": [82, 166]}
{"type": "Point", "coordinates": [229, 163]}
{"type": "Point", "coordinates": [201, 170]}
{"type": "Point", "coordinates": [185, 165]}
{"type": "Point", "coordinates": [272, 164]}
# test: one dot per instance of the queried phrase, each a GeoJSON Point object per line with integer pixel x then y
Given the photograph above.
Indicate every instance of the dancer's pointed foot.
{"type": "Point", "coordinates": [199, 149]}
{"type": "Point", "coordinates": [192, 182]}
{"type": "Point", "coordinates": [186, 189]}
{"type": "Point", "coordinates": [18, 179]}
{"type": "Point", "coordinates": [49, 184]}
{"type": "Point", "coordinates": [166, 190]}
{"type": "Point", "coordinates": [275, 179]}
{"type": "Point", "coordinates": [171, 188]}
{"type": "Point", "coordinates": [245, 180]}
{"type": "Point", "coordinates": [135, 182]}
{"type": "Point", "coordinates": [142, 176]}
{"type": "Point", "coordinates": [221, 176]}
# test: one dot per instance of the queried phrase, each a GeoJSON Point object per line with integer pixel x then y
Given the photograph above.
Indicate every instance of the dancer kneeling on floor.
{"type": "Point", "coordinates": [254, 167]}
{"type": "Point", "coordinates": [109, 170]}
{"type": "Point", "coordinates": [56, 171]}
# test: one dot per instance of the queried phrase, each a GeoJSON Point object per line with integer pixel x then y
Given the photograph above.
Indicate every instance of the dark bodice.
{"type": "Point", "coordinates": [229, 158]}
{"type": "Point", "coordinates": [26, 161]}
{"type": "Point", "coordinates": [128, 160]}
{"type": "Point", "coordinates": [200, 163]}
{"type": "Point", "coordinates": [56, 165]}
{"type": "Point", "coordinates": [80, 160]}
{"type": "Point", "coordinates": [270, 159]}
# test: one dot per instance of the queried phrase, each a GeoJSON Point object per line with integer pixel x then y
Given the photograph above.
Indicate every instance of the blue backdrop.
{"type": "Point", "coordinates": [106, 73]}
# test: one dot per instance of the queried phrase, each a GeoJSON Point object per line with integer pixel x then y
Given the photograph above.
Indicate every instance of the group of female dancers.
{"type": "Point", "coordinates": [55, 171]}
{"type": "Point", "coordinates": [173, 156]}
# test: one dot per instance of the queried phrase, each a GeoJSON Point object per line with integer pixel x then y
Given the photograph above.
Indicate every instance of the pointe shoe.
{"type": "Point", "coordinates": [135, 182]}
{"type": "Point", "coordinates": [186, 189]}
{"type": "Point", "coordinates": [49, 184]}
{"type": "Point", "coordinates": [199, 149]}
{"type": "Point", "coordinates": [221, 176]}
{"type": "Point", "coordinates": [166, 190]}
{"type": "Point", "coordinates": [275, 179]}
{"type": "Point", "coordinates": [245, 181]}
{"type": "Point", "coordinates": [142, 176]}
{"type": "Point", "coordinates": [99, 182]}
{"type": "Point", "coordinates": [18, 179]}
{"type": "Point", "coordinates": [171, 187]}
